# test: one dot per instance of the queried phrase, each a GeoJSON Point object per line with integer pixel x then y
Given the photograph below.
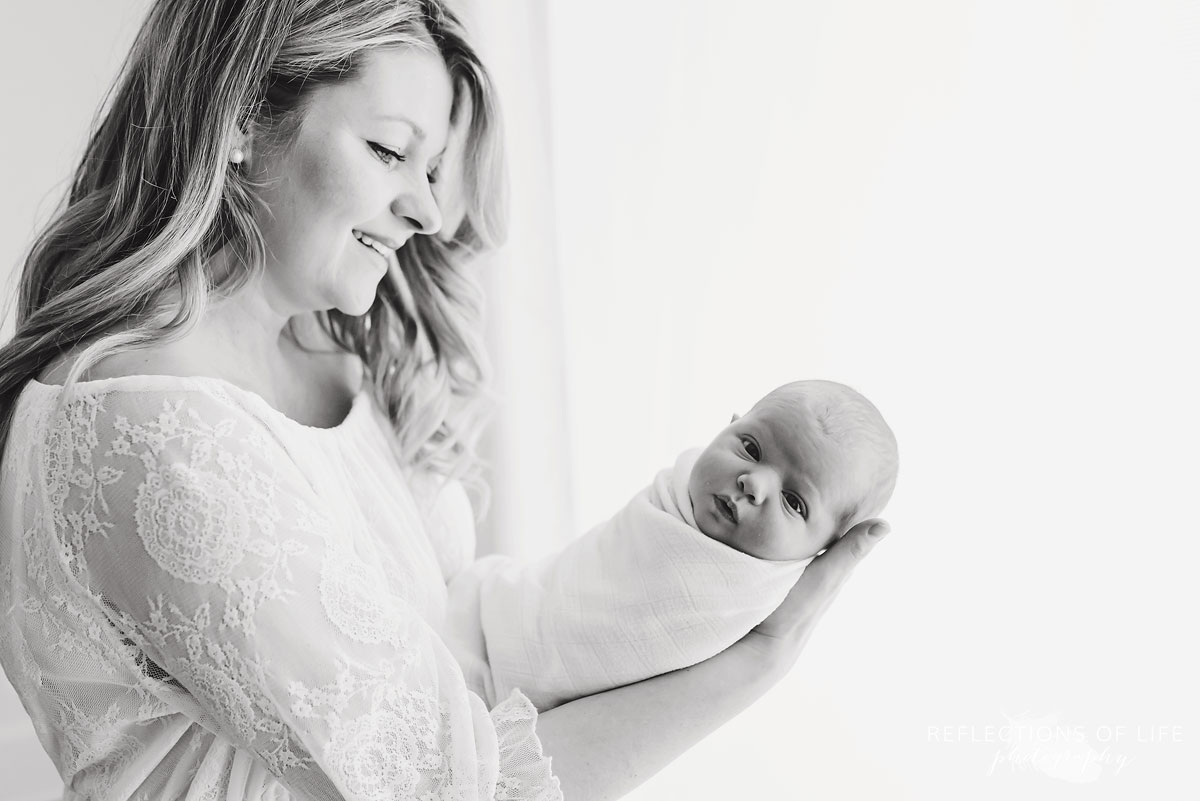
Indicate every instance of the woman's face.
{"type": "Point", "coordinates": [359, 171]}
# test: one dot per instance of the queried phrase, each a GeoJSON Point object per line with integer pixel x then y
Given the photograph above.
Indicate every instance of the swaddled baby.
{"type": "Point", "coordinates": [691, 564]}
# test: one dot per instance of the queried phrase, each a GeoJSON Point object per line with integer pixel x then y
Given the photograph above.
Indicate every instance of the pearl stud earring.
{"type": "Point", "coordinates": [236, 155]}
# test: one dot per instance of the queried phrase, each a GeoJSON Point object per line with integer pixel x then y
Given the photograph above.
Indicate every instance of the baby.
{"type": "Point", "coordinates": [809, 461]}
{"type": "Point", "coordinates": [691, 564]}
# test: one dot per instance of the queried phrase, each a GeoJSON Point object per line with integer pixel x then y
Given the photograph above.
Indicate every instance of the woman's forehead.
{"type": "Point", "coordinates": [401, 86]}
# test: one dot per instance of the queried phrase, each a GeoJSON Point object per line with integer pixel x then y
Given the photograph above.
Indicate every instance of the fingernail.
{"type": "Point", "coordinates": [879, 530]}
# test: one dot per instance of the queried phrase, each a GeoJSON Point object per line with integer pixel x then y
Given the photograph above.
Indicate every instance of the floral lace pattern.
{"type": "Point", "coordinates": [217, 628]}
{"type": "Point", "coordinates": [356, 601]}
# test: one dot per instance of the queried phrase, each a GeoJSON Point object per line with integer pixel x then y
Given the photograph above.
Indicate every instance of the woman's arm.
{"type": "Point", "coordinates": [604, 745]}
{"type": "Point", "coordinates": [209, 573]}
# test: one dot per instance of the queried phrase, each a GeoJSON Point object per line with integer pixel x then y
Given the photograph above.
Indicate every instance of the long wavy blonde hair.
{"type": "Point", "coordinates": [123, 264]}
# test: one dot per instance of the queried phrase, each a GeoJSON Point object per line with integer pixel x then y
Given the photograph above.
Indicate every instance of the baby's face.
{"type": "Point", "coordinates": [771, 486]}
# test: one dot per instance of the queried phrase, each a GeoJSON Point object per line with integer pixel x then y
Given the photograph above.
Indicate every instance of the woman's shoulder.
{"type": "Point", "coordinates": [142, 425]}
{"type": "Point", "coordinates": [134, 387]}
{"type": "Point", "coordinates": [155, 360]}
{"type": "Point", "coordinates": [313, 389]}
{"type": "Point", "coordinates": [87, 409]}
{"type": "Point", "coordinates": [158, 359]}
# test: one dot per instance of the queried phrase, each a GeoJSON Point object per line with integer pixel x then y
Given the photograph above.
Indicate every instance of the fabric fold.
{"type": "Point", "coordinates": [641, 594]}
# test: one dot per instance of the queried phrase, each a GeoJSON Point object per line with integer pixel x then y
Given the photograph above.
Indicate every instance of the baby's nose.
{"type": "Point", "coordinates": [755, 486]}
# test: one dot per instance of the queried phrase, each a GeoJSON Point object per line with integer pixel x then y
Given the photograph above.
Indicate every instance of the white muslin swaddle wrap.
{"type": "Point", "coordinates": [642, 594]}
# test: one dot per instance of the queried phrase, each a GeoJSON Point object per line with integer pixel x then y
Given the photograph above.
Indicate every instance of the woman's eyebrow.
{"type": "Point", "coordinates": [417, 129]}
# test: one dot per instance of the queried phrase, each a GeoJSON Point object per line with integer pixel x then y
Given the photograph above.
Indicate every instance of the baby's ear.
{"type": "Point", "coordinates": [735, 418]}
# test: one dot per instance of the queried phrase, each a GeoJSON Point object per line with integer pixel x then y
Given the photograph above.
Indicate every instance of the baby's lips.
{"type": "Point", "coordinates": [727, 506]}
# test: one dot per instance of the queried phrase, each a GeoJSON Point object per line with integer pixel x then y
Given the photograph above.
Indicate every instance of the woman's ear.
{"type": "Point", "coordinates": [241, 145]}
{"type": "Point", "coordinates": [238, 148]}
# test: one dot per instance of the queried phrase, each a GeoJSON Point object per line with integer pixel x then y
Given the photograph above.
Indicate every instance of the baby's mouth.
{"type": "Point", "coordinates": [726, 508]}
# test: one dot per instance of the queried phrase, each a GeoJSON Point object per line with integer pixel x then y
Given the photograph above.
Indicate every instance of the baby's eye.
{"type": "Point", "coordinates": [385, 155]}
{"type": "Point", "coordinates": [751, 448]}
{"type": "Point", "coordinates": [796, 504]}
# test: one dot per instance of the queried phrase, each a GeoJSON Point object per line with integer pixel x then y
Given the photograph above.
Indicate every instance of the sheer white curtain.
{"type": "Point", "coordinates": [528, 444]}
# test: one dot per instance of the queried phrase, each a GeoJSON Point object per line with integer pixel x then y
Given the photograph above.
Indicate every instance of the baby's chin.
{"type": "Point", "coordinates": [783, 548]}
{"type": "Point", "coordinates": [756, 549]}
{"type": "Point", "coordinates": [781, 554]}
{"type": "Point", "coordinates": [714, 533]}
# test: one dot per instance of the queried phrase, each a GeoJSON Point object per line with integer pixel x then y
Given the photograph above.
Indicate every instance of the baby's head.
{"type": "Point", "coordinates": [785, 481]}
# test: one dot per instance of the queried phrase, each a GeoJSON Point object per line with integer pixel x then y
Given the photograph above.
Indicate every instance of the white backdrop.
{"type": "Point", "coordinates": [984, 216]}
{"type": "Point", "coordinates": [981, 214]}
{"type": "Point", "coordinates": [56, 63]}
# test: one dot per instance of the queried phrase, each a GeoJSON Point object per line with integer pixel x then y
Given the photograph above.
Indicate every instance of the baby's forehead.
{"type": "Point", "coordinates": [834, 436]}
{"type": "Point", "coordinates": [789, 415]}
{"type": "Point", "coordinates": [783, 403]}
{"type": "Point", "coordinates": [790, 427]}
{"type": "Point", "coordinates": [814, 410]}
{"type": "Point", "coordinates": [808, 432]}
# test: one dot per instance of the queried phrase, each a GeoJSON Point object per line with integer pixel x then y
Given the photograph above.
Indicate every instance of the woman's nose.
{"type": "Point", "coordinates": [420, 209]}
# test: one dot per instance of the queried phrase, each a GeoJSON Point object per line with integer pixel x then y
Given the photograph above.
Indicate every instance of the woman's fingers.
{"type": "Point", "coordinates": [837, 563]}
{"type": "Point", "coordinates": [829, 571]}
{"type": "Point", "coordinates": [819, 585]}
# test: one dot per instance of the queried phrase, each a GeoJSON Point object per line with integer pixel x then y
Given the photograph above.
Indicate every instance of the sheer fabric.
{"type": "Point", "coordinates": [206, 599]}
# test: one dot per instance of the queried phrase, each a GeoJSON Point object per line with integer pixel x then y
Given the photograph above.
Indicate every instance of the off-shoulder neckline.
{"type": "Point", "coordinates": [155, 382]}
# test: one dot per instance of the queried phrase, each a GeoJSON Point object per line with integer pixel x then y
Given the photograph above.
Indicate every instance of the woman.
{"type": "Point", "coordinates": [244, 349]}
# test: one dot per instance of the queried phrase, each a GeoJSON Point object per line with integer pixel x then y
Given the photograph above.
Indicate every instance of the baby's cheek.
{"type": "Point", "coordinates": [787, 543]}
{"type": "Point", "coordinates": [738, 541]}
{"type": "Point", "coordinates": [749, 541]}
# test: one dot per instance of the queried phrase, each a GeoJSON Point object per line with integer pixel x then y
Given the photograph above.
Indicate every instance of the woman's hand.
{"type": "Point", "coordinates": [782, 635]}
{"type": "Point", "coordinates": [606, 744]}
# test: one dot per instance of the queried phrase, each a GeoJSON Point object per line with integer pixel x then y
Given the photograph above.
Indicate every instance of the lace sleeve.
{"type": "Point", "coordinates": [209, 550]}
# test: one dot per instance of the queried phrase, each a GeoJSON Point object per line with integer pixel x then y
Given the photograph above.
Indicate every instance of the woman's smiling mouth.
{"type": "Point", "coordinates": [381, 248]}
{"type": "Point", "coordinates": [726, 508]}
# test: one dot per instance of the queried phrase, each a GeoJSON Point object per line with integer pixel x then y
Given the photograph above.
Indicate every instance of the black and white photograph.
{"type": "Point", "coordinates": [515, 400]}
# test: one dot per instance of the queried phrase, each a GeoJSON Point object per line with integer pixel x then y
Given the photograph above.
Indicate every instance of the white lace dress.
{"type": "Point", "coordinates": [207, 600]}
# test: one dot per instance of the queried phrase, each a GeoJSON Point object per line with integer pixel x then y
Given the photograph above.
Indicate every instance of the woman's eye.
{"type": "Point", "coordinates": [796, 504]}
{"type": "Point", "coordinates": [751, 448]}
{"type": "Point", "coordinates": [385, 155]}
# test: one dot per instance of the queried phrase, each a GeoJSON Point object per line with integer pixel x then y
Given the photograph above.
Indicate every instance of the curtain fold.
{"type": "Point", "coordinates": [527, 444]}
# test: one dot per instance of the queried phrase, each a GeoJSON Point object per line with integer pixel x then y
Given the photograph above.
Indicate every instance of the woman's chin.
{"type": "Point", "coordinates": [360, 303]}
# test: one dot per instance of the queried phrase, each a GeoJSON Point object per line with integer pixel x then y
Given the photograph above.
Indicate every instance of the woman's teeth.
{"type": "Point", "coordinates": [378, 247]}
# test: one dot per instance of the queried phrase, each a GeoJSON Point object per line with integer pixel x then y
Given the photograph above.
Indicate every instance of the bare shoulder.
{"type": "Point", "coordinates": [314, 384]}
{"type": "Point", "coordinates": [155, 360]}
{"type": "Point", "coordinates": [321, 359]}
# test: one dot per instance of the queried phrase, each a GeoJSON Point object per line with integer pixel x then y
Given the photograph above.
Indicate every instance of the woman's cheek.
{"type": "Point", "coordinates": [334, 178]}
